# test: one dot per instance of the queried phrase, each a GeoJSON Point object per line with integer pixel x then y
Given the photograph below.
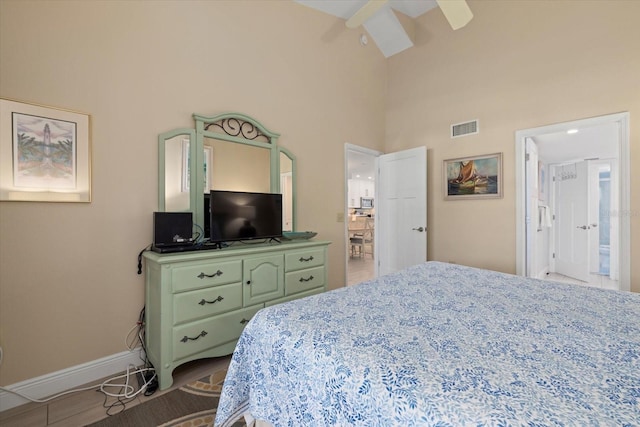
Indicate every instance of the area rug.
{"type": "Point", "coordinates": [191, 405]}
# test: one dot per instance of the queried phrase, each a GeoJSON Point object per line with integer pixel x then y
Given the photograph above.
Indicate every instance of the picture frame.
{"type": "Point", "coordinates": [45, 153]}
{"type": "Point", "coordinates": [474, 177]}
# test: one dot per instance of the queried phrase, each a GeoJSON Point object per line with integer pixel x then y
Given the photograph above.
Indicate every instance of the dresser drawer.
{"type": "Point", "coordinates": [207, 302]}
{"type": "Point", "coordinates": [199, 336]}
{"type": "Point", "coordinates": [303, 280]}
{"type": "Point", "coordinates": [198, 303]}
{"type": "Point", "coordinates": [303, 259]}
{"type": "Point", "coordinates": [202, 275]}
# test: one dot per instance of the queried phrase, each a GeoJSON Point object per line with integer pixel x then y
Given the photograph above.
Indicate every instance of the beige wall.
{"type": "Point", "coordinates": [69, 291]}
{"type": "Point", "coordinates": [516, 65]}
{"type": "Point", "coordinates": [68, 285]}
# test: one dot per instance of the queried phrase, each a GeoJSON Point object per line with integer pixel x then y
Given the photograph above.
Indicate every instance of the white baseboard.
{"type": "Point", "coordinates": [542, 274]}
{"type": "Point", "coordinates": [67, 379]}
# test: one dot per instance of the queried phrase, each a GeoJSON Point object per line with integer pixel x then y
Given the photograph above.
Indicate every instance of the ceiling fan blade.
{"type": "Point", "coordinates": [387, 32]}
{"type": "Point", "coordinates": [457, 12]}
{"type": "Point", "coordinates": [365, 12]}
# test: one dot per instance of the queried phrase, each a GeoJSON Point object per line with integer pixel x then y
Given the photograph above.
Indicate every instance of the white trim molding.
{"type": "Point", "coordinates": [67, 379]}
{"type": "Point", "coordinates": [624, 244]}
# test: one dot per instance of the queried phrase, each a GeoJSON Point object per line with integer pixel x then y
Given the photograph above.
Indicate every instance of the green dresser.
{"type": "Point", "coordinates": [197, 303]}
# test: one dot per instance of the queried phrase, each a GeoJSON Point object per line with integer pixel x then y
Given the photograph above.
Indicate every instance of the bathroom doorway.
{"type": "Point", "coordinates": [572, 183]}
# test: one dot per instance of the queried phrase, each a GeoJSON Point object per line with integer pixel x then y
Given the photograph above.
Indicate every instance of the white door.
{"type": "Point", "coordinates": [401, 211]}
{"type": "Point", "coordinates": [572, 219]}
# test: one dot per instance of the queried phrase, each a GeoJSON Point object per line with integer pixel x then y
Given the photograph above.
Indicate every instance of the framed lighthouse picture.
{"type": "Point", "coordinates": [45, 153]}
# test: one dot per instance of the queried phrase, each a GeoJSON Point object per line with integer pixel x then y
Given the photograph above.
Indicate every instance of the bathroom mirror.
{"type": "Point", "coordinates": [229, 151]}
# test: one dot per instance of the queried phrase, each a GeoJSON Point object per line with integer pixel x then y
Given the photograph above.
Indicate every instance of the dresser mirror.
{"type": "Point", "coordinates": [174, 172]}
{"type": "Point", "coordinates": [237, 167]}
{"type": "Point", "coordinates": [229, 151]}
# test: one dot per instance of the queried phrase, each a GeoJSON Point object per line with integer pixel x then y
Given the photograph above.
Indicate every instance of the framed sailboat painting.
{"type": "Point", "coordinates": [477, 177]}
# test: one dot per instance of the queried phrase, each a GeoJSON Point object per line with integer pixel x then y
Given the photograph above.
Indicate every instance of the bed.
{"type": "Point", "coordinates": [441, 345]}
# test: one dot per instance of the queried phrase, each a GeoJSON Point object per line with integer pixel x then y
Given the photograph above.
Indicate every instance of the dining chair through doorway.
{"type": "Point", "coordinates": [360, 242]}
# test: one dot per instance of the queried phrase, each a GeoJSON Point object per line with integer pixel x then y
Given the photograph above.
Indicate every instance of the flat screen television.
{"type": "Point", "coordinates": [238, 215]}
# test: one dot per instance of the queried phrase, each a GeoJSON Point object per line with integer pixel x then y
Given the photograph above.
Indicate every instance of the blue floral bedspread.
{"type": "Point", "coordinates": [441, 345]}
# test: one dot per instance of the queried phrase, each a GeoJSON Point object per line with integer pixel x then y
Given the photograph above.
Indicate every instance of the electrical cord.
{"type": "Point", "coordinates": [142, 341]}
{"type": "Point", "coordinates": [127, 391]}
{"type": "Point", "coordinates": [140, 258]}
{"type": "Point", "coordinates": [141, 338]}
{"type": "Point", "coordinates": [199, 234]}
{"type": "Point", "coordinates": [130, 391]}
{"type": "Point", "coordinates": [119, 403]}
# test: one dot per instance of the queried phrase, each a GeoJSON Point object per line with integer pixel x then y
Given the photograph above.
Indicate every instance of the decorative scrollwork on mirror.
{"type": "Point", "coordinates": [235, 127]}
{"type": "Point", "coordinates": [229, 151]}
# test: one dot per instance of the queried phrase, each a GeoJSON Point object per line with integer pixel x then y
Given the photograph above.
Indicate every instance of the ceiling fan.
{"type": "Point", "coordinates": [378, 18]}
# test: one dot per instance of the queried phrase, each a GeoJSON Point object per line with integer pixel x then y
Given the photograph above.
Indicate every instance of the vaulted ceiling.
{"type": "Point", "coordinates": [378, 17]}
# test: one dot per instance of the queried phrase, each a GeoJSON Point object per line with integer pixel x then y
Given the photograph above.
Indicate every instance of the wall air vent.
{"type": "Point", "coordinates": [464, 129]}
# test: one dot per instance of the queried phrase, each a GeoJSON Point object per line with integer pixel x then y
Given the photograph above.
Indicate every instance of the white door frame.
{"type": "Point", "coordinates": [624, 243]}
{"type": "Point", "coordinates": [351, 147]}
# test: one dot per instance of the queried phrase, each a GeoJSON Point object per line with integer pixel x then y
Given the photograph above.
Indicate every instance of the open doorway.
{"type": "Point", "coordinates": [360, 191]}
{"type": "Point", "coordinates": [572, 183]}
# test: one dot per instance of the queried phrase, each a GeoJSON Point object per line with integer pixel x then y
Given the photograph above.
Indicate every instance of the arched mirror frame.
{"type": "Point", "coordinates": [163, 138]}
{"type": "Point", "coordinates": [232, 127]}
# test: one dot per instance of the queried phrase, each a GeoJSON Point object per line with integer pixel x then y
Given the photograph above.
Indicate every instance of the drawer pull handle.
{"type": "Point", "coordinates": [243, 321]}
{"type": "Point", "coordinates": [306, 259]}
{"type": "Point", "coordinates": [302, 279]}
{"type": "Point", "coordinates": [217, 273]}
{"type": "Point", "coordinates": [204, 301]}
{"type": "Point", "coordinates": [186, 338]}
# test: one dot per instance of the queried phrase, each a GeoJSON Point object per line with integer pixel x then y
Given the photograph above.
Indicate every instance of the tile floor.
{"type": "Point", "coordinates": [595, 280]}
{"type": "Point", "coordinates": [360, 269]}
{"type": "Point", "coordinates": [86, 407]}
